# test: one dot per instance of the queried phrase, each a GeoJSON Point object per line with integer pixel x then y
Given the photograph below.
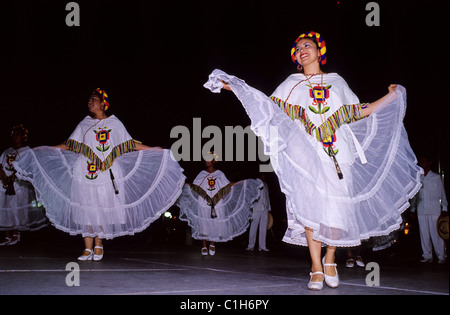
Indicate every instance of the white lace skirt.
{"type": "Point", "coordinates": [148, 183]}
{"type": "Point", "coordinates": [371, 197]}
{"type": "Point", "coordinates": [233, 211]}
{"type": "Point", "coordinates": [21, 211]}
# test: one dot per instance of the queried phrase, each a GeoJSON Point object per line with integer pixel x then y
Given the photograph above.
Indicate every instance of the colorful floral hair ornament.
{"type": "Point", "coordinates": [320, 44]}
{"type": "Point", "coordinates": [104, 97]}
{"type": "Point", "coordinates": [211, 156]}
{"type": "Point", "coordinates": [23, 129]}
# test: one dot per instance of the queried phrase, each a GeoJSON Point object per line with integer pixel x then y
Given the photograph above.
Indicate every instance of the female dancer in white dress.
{"type": "Point", "coordinates": [101, 183]}
{"type": "Point", "coordinates": [19, 210]}
{"type": "Point", "coordinates": [347, 176]}
{"type": "Point", "coordinates": [216, 209]}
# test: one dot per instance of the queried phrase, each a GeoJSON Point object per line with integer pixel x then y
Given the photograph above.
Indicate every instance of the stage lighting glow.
{"type": "Point", "coordinates": [168, 215]}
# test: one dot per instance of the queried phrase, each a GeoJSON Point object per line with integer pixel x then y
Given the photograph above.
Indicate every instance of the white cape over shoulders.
{"type": "Point", "coordinates": [233, 210]}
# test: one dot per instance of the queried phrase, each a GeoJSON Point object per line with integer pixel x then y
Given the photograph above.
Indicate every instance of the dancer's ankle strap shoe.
{"type": "Point", "coordinates": [212, 250]}
{"type": "Point", "coordinates": [316, 285]}
{"type": "Point", "coordinates": [331, 281]}
{"type": "Point", "coordinates": [87, 257]}
{"type": "Point", "coordinates": [98, 257]}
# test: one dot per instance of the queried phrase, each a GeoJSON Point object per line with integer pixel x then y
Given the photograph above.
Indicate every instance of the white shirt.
{"type": "Point", "coordinates": [431, 197]}
{"type": "Point", "coordinates": [263, 203]}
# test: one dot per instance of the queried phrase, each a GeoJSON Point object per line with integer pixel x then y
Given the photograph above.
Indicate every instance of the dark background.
{"type": "Point", "coordinates": [153, 57]}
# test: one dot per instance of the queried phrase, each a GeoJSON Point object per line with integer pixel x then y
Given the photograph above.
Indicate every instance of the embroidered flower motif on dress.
{"type": "Point", "coordinates": [9, 159]}
{"type": "Point", "coordinates": [319, 94]}
{"type": "Point", "coordinates": [211, 183]}
{"type": "Point", "coordinates": [328, 145]}
{"type": "Point", "coordinates": [92, 171]}
{"type": "Point", "coordinates": [325, 133]}
{"type": "Point", "coordinates": [102, 136]}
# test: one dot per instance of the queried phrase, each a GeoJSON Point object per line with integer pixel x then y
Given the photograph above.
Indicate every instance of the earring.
{"type": "Point", "coordinates": [299, 68]}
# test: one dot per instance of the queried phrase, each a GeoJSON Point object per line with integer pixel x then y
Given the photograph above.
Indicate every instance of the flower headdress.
{"type": "Point", "coordinates": [211, 156]}
{"type": "Point", "coordinates": [104, 97]}
{"type": "Point", "coordinates": [320, 44]}
{"type": "Point", "coordinates": [23, 129]}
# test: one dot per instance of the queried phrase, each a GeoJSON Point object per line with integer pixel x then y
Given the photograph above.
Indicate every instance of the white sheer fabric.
{"type": "Point", "coordinates": [19, 211]}
{"type": "Point", "coordinates": [370, 198]}
{"type": "Point", "coordinates": [79, 197]}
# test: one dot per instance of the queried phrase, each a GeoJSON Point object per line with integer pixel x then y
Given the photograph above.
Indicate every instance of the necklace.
{"type": "Point", "coordinates": [322, 115]}
{"type": "Point", "coordinates": [99, 120]}
{"type": "Point", "coordinates": [306, 79]}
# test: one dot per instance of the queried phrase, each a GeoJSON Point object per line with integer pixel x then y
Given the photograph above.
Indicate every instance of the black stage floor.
{"type": "Point", "coordinates": [146, 265]}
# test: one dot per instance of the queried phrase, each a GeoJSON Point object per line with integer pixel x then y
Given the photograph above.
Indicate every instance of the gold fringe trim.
{"type": "Point", "coordinates": [217, 197]}
{"type": "Point", "coordinates": [344, 115]}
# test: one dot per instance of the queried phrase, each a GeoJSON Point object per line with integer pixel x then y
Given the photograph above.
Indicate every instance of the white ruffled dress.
{"type": "Point", "coordinates": [77, 189]}
{"type": "Point", "coordinates": [19, 211]}
{"type": "Point", "coordinates": [379, 168]}
{"type": "Point", "coordinates": [233, 208]}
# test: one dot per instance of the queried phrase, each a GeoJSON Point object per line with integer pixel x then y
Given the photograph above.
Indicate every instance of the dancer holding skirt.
{"type": "Point", "coordinates": [346, 168]}
{"type": "Point", "coordinates": [19, 210]}
{"type": "Point", "coordinates": [101, 183]}
{"type": "Point", "coordinates": [216, 209]}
